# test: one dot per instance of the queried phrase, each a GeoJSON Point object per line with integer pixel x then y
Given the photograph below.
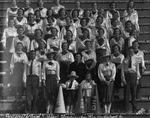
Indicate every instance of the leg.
{"type": "Point", "coordinates": [133, 92]}
{"type": "Point", "coordinates": [127, 91]}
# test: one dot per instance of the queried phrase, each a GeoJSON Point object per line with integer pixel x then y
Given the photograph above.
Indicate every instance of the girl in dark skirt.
{"type": "Point", "coordinates": [18, 69]}
{"type": "Point", "coordinates": [107, 73]}
{"type": "Point", "coordinates": [51, 77]}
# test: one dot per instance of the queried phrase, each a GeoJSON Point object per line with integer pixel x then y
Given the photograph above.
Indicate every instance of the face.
{"type": "Point", "coordinates": [78, 57]}
{"type": "Point", "coordinates": [64, 46]}
{"type": "Point", "coordinates": [50, 21]}
{"type": "Point", "coordinates": [69, 34]}
{"type": "Point", "coordinates": [114, 23]}
{"type": "Point", "coordinates": [134, 33]}
{"type": "Point", "coordinates": [32, 55]}
{"type": "Point", "coordinates": [100, 32]}
{"type": "Point", "coordinates": [88, 45]}
{"type": "Point", "coordinates": [19, 47]}
{"type": "Point", "coordinates": [75, 14]}
{"type": "Point", "coordinates": [95, 6]}
{"type": "Point", "coordinates": [27, 2]}
{"type": "Point", "coordinates": [50, 12]}
{"type": "Point", "coordinates": [41, 3]}
{"type": "Point", "coordinates": [42, 45]}
{"type": "Point", "coordinates": [129, 10]}
{"type": "Point", "coordinates": [20, 12]}
{"type": "Point", "coordinates": [85, 33]}
{"type": "Point", "coordinates": [135, 45]}
{"type": "Point", "coordinates": [117, 32]}
{"type": "Point", "coordinates": [131, 52]}
{"type": "Point", "coordinates": [57, 2]}
{"type": "Point", "coordinates": [116, 49]}
{"type": "Point", "coordinates": [38, 34]}
{"type": "Point", "coordinates": [54, 32]}
{"type": "Point", "coordinates": [88, 76]}
{"type": "Point", "coordinates": [83, 23]}
{"type": "Point", "coordinates": [99, 21]}
{"type": "Point", "coordinates": [131, 4]}
{"type": "Point", "coordinates": [115, 16]}
{"type": "Point", "coordinates": [101, 12]}
{"type": "Point", "coordinates": [14, 2]}
{"type": "Point", "coordinates": [37, 14]}
{"type": "Point", "coordinates": [77, 4]}
{"type": "Point", "coordinates": [107, 59]}
{"type": "Point", "coordinates": [113, 6]}
{"type": "Point", "coordinates": [31, 18]}
{"type": "Point", "coordinates": [87, 13]}
{"type": "Point", "coordinates": [20, 31]}
{"type": "Point", "coordinates": [11, 23]}
{"type": "Point", "coordinates": [62, 13]}
{"type": "Point", "coordinates": [68, 20]}
{"type": "Point", "coordinates": [51, 56]}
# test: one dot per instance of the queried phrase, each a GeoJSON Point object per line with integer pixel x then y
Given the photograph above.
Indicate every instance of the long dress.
{"type": "Point", "coordinates": [18, 65]}
{"type": "Point", "coordinates": [105, 73]}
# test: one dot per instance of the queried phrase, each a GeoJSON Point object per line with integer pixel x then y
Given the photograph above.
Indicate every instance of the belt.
{"type": "Point", "coordinates": [51, 72]}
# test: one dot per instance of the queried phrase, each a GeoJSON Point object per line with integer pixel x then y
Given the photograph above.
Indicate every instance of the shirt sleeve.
{"type": "Point", "coordinates": [113, 71]}
{"type": "Point", "coordinates": [58, 71]}
{"type": "Point", "coordinates": [100, 74]}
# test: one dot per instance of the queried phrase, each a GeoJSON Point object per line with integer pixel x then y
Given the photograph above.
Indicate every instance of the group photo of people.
{"type": "Point", "coordinates": [76, 49]}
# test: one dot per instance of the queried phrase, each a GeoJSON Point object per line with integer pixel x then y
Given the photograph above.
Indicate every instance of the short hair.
{"type": "Point", "coordinates": [117, 29]}
{"type": "Point", "coordinates": [74, 11]}
{"type": "Point", "coordinates": [113, 2]}
{"type": "Point", "coordinates": [39, 30]}
{"type": "Point", "coordinates": [48, 11]}
{"type": "Point", "coordinates": [61, 9]}
{"type": "Point", "coordinates": [21, 9]}
{"type": "Point", "coordinates": [115, 46]}
{"type": "Point", "coordinates": [82, 20]}
{"type": "Point", "coordinates": [51, 17]}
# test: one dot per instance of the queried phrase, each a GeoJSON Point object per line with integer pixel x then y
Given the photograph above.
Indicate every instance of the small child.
{"type": "Point", "coordinates": [87, 86]}
{"type": "Point", "coordinates": [71, 86]}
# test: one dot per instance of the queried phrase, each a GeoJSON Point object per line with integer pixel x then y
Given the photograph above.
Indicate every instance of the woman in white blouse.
{"type": "Point", "coordinates": [9, 33]}
{"type": "Point", "coordinates": [18, 64]}
{"type": "Point", "coordinates": [20, 19]}
{"type": "Point", "coordinates": [21, 38]}
{"type": "Point", "coordinates": [64, 58]}
{"type": "Point", "coordinates": [56, 8]}
{"type": "Point", "coordinates": [38, 38]}
{"type": "Point", "coordinates": [70, 40]}
{"type": "Point", "coordinates": [11, 12]}
{"type": "Point", "coordinates": [27, 9]}
{"type": "Point", "coordinates": [51, 78]}
{"type": "Point", "coordinates": [89, 55]}
{"type": "Point", "coordinates": [131, 14]}
{"type": "Point", "coordinates": [41, 8]}
{"type": "Point", "coordinates": [54, 42]}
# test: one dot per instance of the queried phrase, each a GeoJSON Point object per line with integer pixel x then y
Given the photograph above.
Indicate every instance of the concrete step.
{"type": "Point", "coordinates": [119, 105]}
{"type": "Point", "coordinates": [145, 45]}
{"type": "Point", "coordinates": [146, 54]}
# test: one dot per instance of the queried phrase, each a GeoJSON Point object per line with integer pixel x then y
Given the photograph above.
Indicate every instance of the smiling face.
{"type": "Point", "coordinates": [11, 23]}
{"type": "Point", "coordinates": [77, 4]}
{"type": "Point", "coordinates": [14, 3]}
{"type": "Point", "coordinates": [27, 3]}
{"type": "Point", "coordinates": [69, 35]}
{"type": "Point", "coordinates": [54, 31]}
{"type": "Point", "coordinates": [117, 32]}
{"type": "Point", "coordinates": [38, 34]}
{"type": "Point", "coordinates": [40, 3]}
{"type": "Point", "coordinates": [19, 47]}
{"type": "Point", "coordinates": [20, 12]}
{"type": "Point", "coordinates": [113, 6]}
{"type": "Point", "coordinates": [20, 31]}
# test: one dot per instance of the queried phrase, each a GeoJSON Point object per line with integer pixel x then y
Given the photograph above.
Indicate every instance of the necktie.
{"type": "Point", "coordinates": [31, 67]}
{"type": "Point", "coordinates": [130, 63]}
{"type": "Point", "coordinates": [70, 85]}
